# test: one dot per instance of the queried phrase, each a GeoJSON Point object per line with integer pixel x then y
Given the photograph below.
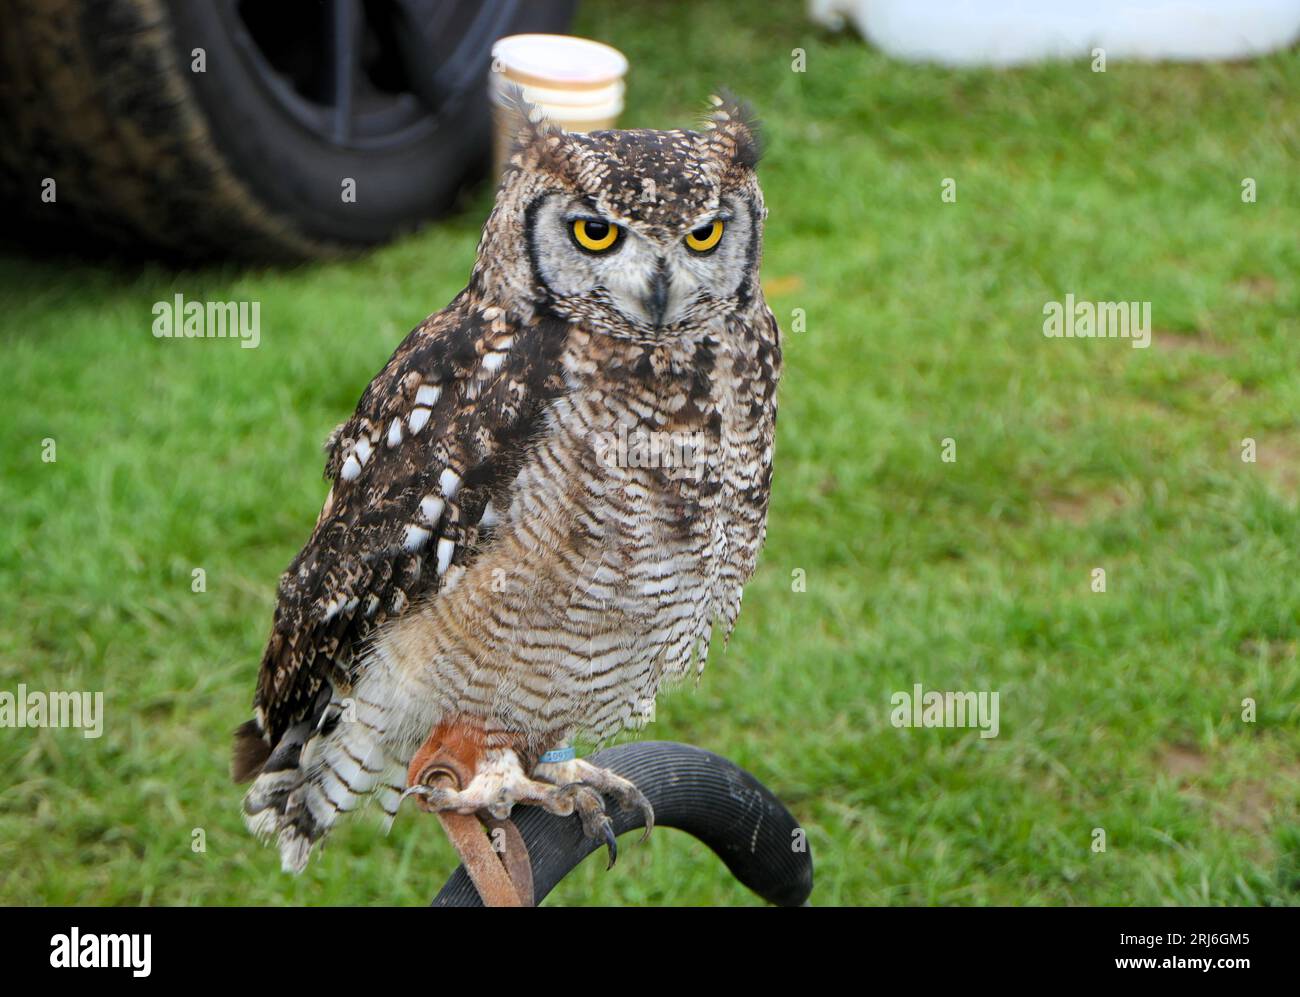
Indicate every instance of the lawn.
{"type": "Point", "coordinates": [886, 565]}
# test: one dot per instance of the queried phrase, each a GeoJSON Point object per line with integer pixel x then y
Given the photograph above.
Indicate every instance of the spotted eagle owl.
{"type": "Point", "coordinates": [548, 501]}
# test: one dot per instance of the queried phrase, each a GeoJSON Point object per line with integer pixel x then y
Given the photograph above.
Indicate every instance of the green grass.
{"type": "Point", "coordinates": [1119, 710]}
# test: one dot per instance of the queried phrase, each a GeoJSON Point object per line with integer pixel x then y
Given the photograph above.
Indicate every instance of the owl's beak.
{"type": "Point", "coordinates": [656, 298]}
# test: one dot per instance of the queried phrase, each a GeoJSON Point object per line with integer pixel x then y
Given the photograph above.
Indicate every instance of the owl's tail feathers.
{"type": "Point", "coordinates": [251, 752]}
{"type": "Point", "coordinates": [315, 773]}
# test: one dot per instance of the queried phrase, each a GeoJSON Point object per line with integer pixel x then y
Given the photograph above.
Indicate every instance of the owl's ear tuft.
{"type": "Point", "coordinates": [735, 129]}
{"type": "Point", "coordinates": [525, 124]}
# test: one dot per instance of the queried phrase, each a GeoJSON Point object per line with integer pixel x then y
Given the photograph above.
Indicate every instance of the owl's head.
{"type": "Point", "coordinates": [638, 234]}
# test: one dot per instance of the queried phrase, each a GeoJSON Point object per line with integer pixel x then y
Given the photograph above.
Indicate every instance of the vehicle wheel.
{"type": "Point", "coordinates": [285, 130]}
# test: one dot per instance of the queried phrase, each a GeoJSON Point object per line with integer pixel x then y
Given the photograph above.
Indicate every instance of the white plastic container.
{"type": "Point", "coordinates": [1010, 32]}
{"type": "Point", "coordinates": [577, 82]}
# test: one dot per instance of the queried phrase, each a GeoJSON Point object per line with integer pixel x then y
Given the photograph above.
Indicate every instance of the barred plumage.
{"type": "Point", "coordinates": [549, 497]}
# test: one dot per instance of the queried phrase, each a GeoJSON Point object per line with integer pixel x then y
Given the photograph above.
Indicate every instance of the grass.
{"type": "Point", "coordinates": [1119, 710]}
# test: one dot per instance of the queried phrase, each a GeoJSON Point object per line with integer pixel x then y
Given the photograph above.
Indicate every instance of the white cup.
{"type": "Point", "coordinates": [577, 83]}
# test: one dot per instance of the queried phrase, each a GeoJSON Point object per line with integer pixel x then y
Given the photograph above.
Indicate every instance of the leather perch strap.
{"type": "Point", "coordinates": [502, 879]}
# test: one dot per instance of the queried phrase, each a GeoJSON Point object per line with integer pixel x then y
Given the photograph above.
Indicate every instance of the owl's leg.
{"type": "Point", "coordinates": [499, 783]}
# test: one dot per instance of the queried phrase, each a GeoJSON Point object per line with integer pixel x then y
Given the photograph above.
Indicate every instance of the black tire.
{"type": "Point", "coordinates": [249, 157]}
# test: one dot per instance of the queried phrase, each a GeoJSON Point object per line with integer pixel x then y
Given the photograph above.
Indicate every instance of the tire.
{"type": "Point", "coordinates": [248, 157]}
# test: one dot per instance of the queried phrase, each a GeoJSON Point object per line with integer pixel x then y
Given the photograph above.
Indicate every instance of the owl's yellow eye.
{"type": "Point", "coordinates": [594, 236]}
{"type": "Point", "coordinates": [704, 238]}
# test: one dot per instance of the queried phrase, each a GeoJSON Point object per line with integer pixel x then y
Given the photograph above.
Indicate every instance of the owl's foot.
{"type": "Point", "coordinates": [606, 782]}
{"type": "Point", "coordinates": [499, 783]}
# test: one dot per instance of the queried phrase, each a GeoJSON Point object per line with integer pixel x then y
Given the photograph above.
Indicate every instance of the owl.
{"type": "Point", "coordinates": [546, 504]}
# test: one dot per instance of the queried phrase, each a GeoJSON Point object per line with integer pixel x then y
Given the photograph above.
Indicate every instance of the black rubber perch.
{"type": "Point", "coordinates": [690, 789]}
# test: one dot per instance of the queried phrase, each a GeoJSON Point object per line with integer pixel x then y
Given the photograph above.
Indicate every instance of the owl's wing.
{"type": "Point", "coordinates": [445, 424]}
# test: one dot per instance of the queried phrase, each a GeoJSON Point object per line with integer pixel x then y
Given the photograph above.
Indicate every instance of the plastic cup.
{"type": "Point", "coordinates": [577, 83]}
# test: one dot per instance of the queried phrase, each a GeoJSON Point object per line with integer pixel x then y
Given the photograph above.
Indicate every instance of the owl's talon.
{"type": "Point", "coordinates": [604, 782]}
{"type": "Point", "coordinates": [430, 798]}
{"type": "Point", "coordinates": [591, 811]}
{"type": "Point", "coordinates": [636, 799]}
{"type": "Point", "coordinates": [598, 781]}
{"type": "Point", "coordinates": [611, 842]}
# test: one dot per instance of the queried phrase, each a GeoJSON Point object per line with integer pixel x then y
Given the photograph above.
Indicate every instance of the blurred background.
{"type": "Point", "coordinates": [949, 480]}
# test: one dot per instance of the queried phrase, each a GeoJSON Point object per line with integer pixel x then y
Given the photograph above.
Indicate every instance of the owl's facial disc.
{"type": "Point", "coordinates": [622, 277]}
